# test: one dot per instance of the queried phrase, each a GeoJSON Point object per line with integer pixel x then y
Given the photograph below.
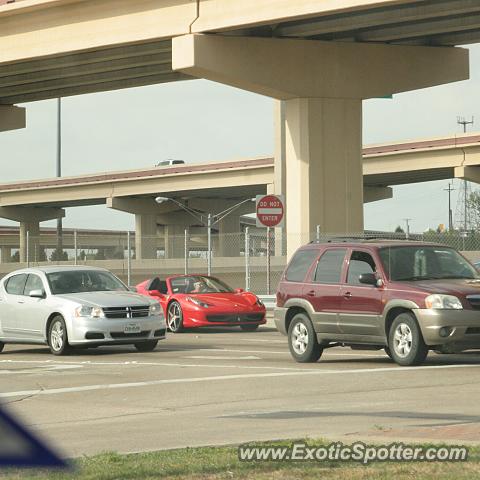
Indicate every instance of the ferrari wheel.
{"type": "Point", "coordinates": [175, 317]}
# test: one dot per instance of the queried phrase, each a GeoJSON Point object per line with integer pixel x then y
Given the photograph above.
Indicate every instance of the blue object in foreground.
{"type": "Point", "coordinates": [20, 448]}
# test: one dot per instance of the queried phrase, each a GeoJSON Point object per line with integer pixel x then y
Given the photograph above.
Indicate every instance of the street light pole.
{"type": "Point", "coordinates": [209, 244]}
{"type": "Point", "coordinates": [212, 219]}
{"type": "Point", "coordinates": [59, 174]}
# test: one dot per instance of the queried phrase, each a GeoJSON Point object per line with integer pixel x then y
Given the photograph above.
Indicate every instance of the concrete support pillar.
{"type": "Point", "coordinates": [280, 174]}
{"type": "Point", "coordinates": [6, 254]}
{"type": "Point", "coordinates": [29, 251]}
{"type": "Point", "coordinates": [324, 167]}
{"type": "Point", "coordinates": [29, 218]}
{"type": "Point", "coordinates": [145, 236]}
{"type": "Point", "coordinates": [174, 241]}
{"type": "Point", "coordinates": [229, 239]}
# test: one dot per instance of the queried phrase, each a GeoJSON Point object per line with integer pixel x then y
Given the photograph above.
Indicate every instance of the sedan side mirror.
{"type": "Point", "coordinates": [40, 293]}
{"type": "Point", "coordinates": [239, 290]}
{"type": "Point", "coordinates": [368, 279]}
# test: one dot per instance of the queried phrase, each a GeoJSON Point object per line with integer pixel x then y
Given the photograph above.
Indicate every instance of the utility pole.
{"type": "Point", "coordinates": [450, 218]}
{"type": "Point", "coordinates": [59, 174]}
{"type": "Point", "coordinates": [407, 233]}
{"type": "Point", "coordinates": [465, 188]}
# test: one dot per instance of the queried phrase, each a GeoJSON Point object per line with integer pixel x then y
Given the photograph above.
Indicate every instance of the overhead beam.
{"type": "Point", "coordinates": [84, 80]}
{"type": "Point", "coordinates": [33, 79]}
{"type": "Point", "coordinates": [420, 29]}
{"type": "Point", "coordinates": [376, 193]}
{"type": "Point", "coordinates": [31, 214]}
{"type": "Point", "coordinates": [372, 18]}
{"type": "Point", "coordinates": [12, 118]}
{"type": "Point", "coordinates": [292, 68]}
{"type": "Point", "coordinates": [96, 87]}
{"type": "Point", "coordinates": [85, 58]}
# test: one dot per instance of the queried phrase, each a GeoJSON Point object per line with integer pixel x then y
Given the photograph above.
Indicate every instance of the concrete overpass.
{"type": "Point", "coordinates": [215, 186]}
{"type": "Point", "coordinates": [320, 58]}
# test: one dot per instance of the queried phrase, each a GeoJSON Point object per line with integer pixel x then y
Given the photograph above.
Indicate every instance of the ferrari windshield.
{"type": "Point", "coordinates": [198, 284]}
{"type": "Point", "coordinates": [425, 263]}
{"type": "Point", "coordinates": [83, 281]}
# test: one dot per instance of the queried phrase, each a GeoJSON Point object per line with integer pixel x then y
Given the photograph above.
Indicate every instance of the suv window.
{"type": "Point", "coordinates": [16, 284]}
{"type": "Point", "coordinates": [34, 282]}
{"type": "Point", "coordinates": [329, 266]}
{"type": "Point", "coordinates": [360, 262]}
{"type": "Point", "coordinates": [300, 264]}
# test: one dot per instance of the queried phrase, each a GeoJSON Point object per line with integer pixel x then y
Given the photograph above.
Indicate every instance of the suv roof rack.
{"type": "Point", "coordinates": [364, 239]}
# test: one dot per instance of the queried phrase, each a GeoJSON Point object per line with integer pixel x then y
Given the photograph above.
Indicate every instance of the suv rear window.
{"type": "Point", "coordinates": [300, 264]}
{"type": "Point", "coordinates": [329, 267]}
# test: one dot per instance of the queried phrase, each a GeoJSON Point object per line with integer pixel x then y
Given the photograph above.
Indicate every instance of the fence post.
{"type": "Point", "coordinates": [186, 253]}
{"type": "Point", "coordinates": [247, 259]}
{"type": "Point", "coordinates": [129, 259]}
{"type": "Point", "coordinates": [318, 233]}
{"type": "Point", "coordinates": [75, 246]}
{"type": "Point", "coordinates": [268, 261]}
{"type": "Point", "coordinates": [27, 249]}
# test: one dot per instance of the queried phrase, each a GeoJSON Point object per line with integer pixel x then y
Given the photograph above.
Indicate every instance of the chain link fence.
{"type": "Point", "coordinates": [253, 259]}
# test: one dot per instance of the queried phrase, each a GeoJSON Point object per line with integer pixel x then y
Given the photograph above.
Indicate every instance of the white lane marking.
{"type": "Point", "coordinates": [160, 364]}
{"type": "Point", "coordinates": [214, 357]}
{"type": "Point", "coordinates": [112, 386]}
{"type": "Point", "coordinates": [39, 369]}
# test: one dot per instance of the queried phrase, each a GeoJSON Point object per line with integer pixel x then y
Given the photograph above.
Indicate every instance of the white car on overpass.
{"type": "Point", "coordinates": [68, 307]}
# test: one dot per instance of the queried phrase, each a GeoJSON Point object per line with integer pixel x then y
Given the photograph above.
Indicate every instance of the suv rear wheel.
{"type": "Point", "coordinates": [302, 340]}
{"type": "Point", "coordinates": [405, 341]}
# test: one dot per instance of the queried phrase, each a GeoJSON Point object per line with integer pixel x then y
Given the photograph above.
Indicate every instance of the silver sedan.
{"type": "Point", "coordinates": [67, 307]}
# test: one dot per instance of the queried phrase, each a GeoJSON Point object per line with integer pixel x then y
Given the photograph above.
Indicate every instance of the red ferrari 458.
{"type": "Point", "coordinates": [198, 301]}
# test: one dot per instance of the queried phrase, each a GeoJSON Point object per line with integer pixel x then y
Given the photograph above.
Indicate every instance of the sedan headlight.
{"type": "Point", "coordinates": [259, 302]}
{"type": "Point", "coordinates": [94, 312]}
{"type": "Point", "coordinates": [155, 309]}
{"type": "Point", "coordinates": [198, 302]}
{"type": "Point", "coordinates": [443, 302]}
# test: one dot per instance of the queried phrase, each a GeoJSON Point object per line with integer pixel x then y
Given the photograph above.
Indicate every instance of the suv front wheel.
{"type": "Point", "coordinates": [405, 341]}
{"type": "Point", "coordinates": [302, 340]}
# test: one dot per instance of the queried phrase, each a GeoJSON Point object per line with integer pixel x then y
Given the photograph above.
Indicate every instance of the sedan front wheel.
{"type": "Point", "coordinates": [57, 336]}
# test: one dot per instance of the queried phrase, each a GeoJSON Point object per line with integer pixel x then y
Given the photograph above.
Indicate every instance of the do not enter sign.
{"type": "Point", "coordinates": [270, 210]}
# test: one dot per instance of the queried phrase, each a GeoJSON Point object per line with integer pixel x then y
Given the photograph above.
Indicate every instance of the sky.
{"type": "Point", "coordinates": [202, 121]}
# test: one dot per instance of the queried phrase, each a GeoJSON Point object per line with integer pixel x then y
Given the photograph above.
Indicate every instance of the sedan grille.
{"type": "Point", "coordinates": [232, 318]}
{"type": "Point", "coordinates": [127, 312]}
{"type": "Point", "coordinates": [120, 335]}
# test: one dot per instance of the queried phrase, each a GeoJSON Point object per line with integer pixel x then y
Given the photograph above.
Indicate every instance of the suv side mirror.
{"type": "Point", "coordinates": [40, 293]}
{"type": "Point", "coordinates": [368, 279]}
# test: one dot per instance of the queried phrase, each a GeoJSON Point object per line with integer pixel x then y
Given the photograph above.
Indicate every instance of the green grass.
{"type": "Point", "coordinates": [212, 463]}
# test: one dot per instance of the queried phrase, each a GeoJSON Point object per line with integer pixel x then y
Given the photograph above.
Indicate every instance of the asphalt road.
{"type": "Point", "coordinates": [225, 386]}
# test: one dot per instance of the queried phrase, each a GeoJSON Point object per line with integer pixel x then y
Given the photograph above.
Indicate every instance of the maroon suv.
{"type": "Point", "coordinates": [406, 297]}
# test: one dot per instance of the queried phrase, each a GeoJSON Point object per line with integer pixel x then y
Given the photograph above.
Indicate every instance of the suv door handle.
{"type": "Point", "coordinates": [347, 295]}
{"type": "Point", "coordinates": [311, 293]}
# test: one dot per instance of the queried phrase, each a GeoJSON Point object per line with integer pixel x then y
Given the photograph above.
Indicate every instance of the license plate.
{"type": "Point", "coordinates": [132, 328]}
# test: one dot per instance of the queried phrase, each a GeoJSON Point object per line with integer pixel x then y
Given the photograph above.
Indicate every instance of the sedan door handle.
{"type": "Point", "coordinates": [347, 295]}
{"type": "Point", "coordinates": [311, 293]}
{"type": "Point", "coordinates": [21, 301]}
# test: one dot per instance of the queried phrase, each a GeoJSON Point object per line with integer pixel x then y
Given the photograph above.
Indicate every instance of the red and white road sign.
{"type": "Point", "coordinates": [270, 210]}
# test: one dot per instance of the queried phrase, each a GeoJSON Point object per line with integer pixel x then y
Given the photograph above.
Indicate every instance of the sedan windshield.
{"type": "Point", "coordinates": [411, 263]}
{"type": "Point", "coordinates": [199, 284]}
{"type": "Point", "coordinates": [83, 281]}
